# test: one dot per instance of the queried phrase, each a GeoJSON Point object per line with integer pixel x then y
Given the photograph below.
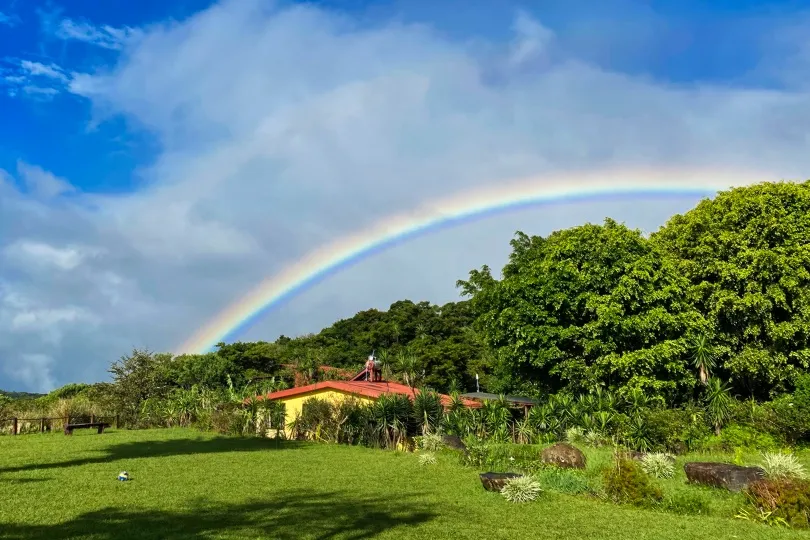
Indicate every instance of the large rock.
{"type": "Point", "coordinates": [494, 481]}
{"type": "Point", "coordinates": [454, 442]}
{"type": "Point", "coordinates": [563, 455]}
{"type": "Point", "coordinates": [723, 475]}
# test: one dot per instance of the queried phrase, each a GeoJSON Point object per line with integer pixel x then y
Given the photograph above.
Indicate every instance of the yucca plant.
{"type": "Point", "coordinates": [658, 464]}
{"type": "Point", "coordinates": [428, 411]}
{"type": "Point", "coordinates": [521, 489]}
{"type": "Point", "coordinates": [524, 432]}
{"type": "Point", "coordinates": [782, 465]}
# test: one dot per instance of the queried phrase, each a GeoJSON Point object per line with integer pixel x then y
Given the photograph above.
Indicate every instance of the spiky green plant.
{"type": "Point", "coordinates": [432, 442]}
{"type": "Point", "coordinates": [718, 403]}
{"type": "Point", "coordinates": [521, 489]}
{"type": "Point", "coordinates": [703, 358]}
{"type": "Point", "coordinates": [428, 458]}
{"type": "Point", "coordinates": [658, 464]}
{"type": "Point", "coordinates": [782, 465]}
{"type": "Point", "coordinates": [575, 435]}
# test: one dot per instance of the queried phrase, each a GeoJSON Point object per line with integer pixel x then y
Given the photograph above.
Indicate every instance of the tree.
{"type": "Point", "coordinates": [596, 305]}
{"type": "Point", "coordinates": [410, 368]}
{"type": "Point", "coordinates": [718, 403]}
{"type": "Point", "coordinates": [138, 377]}
{"type": "Point", "coordinates": [746, 254]}
{"type": "Point", "coordinates": [703, 358]}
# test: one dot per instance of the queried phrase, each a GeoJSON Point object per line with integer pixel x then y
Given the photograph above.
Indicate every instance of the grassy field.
{"type": "Point", "coordinates": [191, 485]}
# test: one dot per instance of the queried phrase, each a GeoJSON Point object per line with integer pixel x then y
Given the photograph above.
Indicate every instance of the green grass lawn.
{"type": "Point", "coordinates": [191, 485]}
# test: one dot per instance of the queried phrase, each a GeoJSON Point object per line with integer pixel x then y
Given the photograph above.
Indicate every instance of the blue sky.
{"type": "Point", "coordinates": [677, 41]}
{"type": "Point", "coordinates": [157, 159]}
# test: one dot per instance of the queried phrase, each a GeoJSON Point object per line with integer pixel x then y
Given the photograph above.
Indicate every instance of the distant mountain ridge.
{"type": "Point", "coordinates": [21, 395]}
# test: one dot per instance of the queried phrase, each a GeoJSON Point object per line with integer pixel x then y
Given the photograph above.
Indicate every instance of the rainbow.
{"type": "Point", "coordinates": [319, 264]}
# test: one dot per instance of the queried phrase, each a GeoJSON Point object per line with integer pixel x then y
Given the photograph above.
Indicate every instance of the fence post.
{"type": "Point", "coordinates": [42, 425]}
{"type": "Point", "coordinates": [116, 421]}
{"type": "Point", "coordinates": [14, 426]}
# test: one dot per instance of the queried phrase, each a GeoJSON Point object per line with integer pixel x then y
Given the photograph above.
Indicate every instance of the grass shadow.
{"type": "Point", "coordinates": [166, 448]}
{"type": "Point", "coordinates": [288, 515]}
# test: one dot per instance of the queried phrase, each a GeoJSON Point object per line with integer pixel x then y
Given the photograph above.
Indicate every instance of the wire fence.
{"type": "Point", "coordinates": [46, 424]}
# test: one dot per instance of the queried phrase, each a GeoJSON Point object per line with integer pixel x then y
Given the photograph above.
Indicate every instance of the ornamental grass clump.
{"type": "Point", "coordinates": [431, 442]}
{"type": "Point", "coordinates": [658, 464]}
{"type": "Point", "coordinates": [428, 458]}
{"type": "Point", "coordinates": [521, 489]}
{"type": "Point", "coordinates": [782, 465]}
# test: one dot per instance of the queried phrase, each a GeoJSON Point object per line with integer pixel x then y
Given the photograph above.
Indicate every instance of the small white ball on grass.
{"type": "Point", "coordinates": [123, 476]}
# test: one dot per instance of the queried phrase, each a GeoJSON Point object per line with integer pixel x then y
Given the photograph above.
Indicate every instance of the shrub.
{"type": "Point", "coordinates": [658, 464]}
{"type": "Point", "coordinates": [521, 489]}
{"type": "Point", "coordinates": [788, 499]}
{"type": "Point", "coordinates": [791, 420]}
{"type": "Point", "coordinates": [674, 430]}
{"type": "Point", "coordinates": [625, 482]}
{"type": "Point", "coordinates": [739, 436]}
{"type": "Point", "coordinates": [782, 465]}
{"type": "Point", "coordinates": [685, 502]}
{"type": "Point", "coordinates": [428, 458]}
{"type": "Point", "coordinates": [595, 439]}
{"type": "Point", "coordinates": [432, 442]}
{"type": "Point", "coordinates": [575, 435]}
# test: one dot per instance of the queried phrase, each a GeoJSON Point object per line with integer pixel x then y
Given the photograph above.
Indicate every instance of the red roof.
{"type": "Point", "coordinates": [362, 388]}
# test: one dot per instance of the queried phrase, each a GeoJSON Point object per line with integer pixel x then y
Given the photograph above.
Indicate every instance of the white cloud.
{"type": "Point", "coordinates": [43, 183]}
{"type": "Point", "coordinates": [104, 36]}
{"type": "Point", "coordinates": [37, 253]}
{"type": "Point", "coordinates": [38, 69]}
{"type": "Point", "coordinates": [282, 129]}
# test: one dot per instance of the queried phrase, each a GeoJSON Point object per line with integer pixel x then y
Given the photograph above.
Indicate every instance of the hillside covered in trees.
{"type": "Point", "coordinates": [717, 298]}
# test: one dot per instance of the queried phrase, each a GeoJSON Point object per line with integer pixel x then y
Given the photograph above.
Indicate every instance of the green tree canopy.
{"type": "Point", "coordinates": [596, 305]}
{"type": "Point", "coordinates": [746, 254]}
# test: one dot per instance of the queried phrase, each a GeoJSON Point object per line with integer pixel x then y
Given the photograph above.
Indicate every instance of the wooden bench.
{"type": "Point", "coordinates": [98, 425]}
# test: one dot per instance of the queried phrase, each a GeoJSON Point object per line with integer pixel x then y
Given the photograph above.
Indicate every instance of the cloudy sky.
{"type": "Point", "coordinates": [157, 162]}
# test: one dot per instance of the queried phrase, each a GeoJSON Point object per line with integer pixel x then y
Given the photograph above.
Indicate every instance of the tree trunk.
{"type": "Point", "coordinates": [717, 429]}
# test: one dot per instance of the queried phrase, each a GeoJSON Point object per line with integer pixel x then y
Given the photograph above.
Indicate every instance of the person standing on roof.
{"type": "Point", "coordinates": [377, 370]}
{"type": "Point", "coordinates": [370, 368]}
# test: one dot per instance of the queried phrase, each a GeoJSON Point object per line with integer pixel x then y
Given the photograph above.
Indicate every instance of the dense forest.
{"type": "Point", "coordinates": [717, 300]}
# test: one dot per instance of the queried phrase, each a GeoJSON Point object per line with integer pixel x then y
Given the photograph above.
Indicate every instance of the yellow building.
{"type": "Point", "coordinates": [358, 389]}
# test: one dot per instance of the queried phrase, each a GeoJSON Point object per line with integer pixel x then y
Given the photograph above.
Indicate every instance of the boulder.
{"type": "Point", "coordinates": [494, 481]}
{"type": "Point", "coordinates": [563, 455]}
{"type": "Point", "coordinates": [454, 442]}
{"type": "Point", "coordinates": [722, 475]}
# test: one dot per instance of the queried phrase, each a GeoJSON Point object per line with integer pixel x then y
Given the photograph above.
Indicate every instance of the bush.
{"type": "Point", "coordinates": [674, 430]}
{"type": "Point", "coordinates": [431, 442]}
{"type": "Point", "coordinates": [791, 420]}
{"type": "Point", "coordinates": [658, 464]}
{"type": "Point", "coordinates": [685, 502]}
{"type": "Point", "coordinates": [782, 465]}
{"type": "Point", "coordinates": [521, 489]}
{"type": "Point", "coordinates": [575, 435]}
{"type": "Point", "coordinates": [782, 498]}
{"type": "Point", "coordinates": [625, 482]}
{"type": "Point", "coordinates": [739, 436]}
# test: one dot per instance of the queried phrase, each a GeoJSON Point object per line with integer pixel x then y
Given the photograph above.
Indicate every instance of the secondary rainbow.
{"type": "Point", "coordinates": [460, 208]}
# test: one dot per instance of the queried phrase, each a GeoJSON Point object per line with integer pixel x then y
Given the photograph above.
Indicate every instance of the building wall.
{"type": "Point", "coordinates": [294, 404]}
